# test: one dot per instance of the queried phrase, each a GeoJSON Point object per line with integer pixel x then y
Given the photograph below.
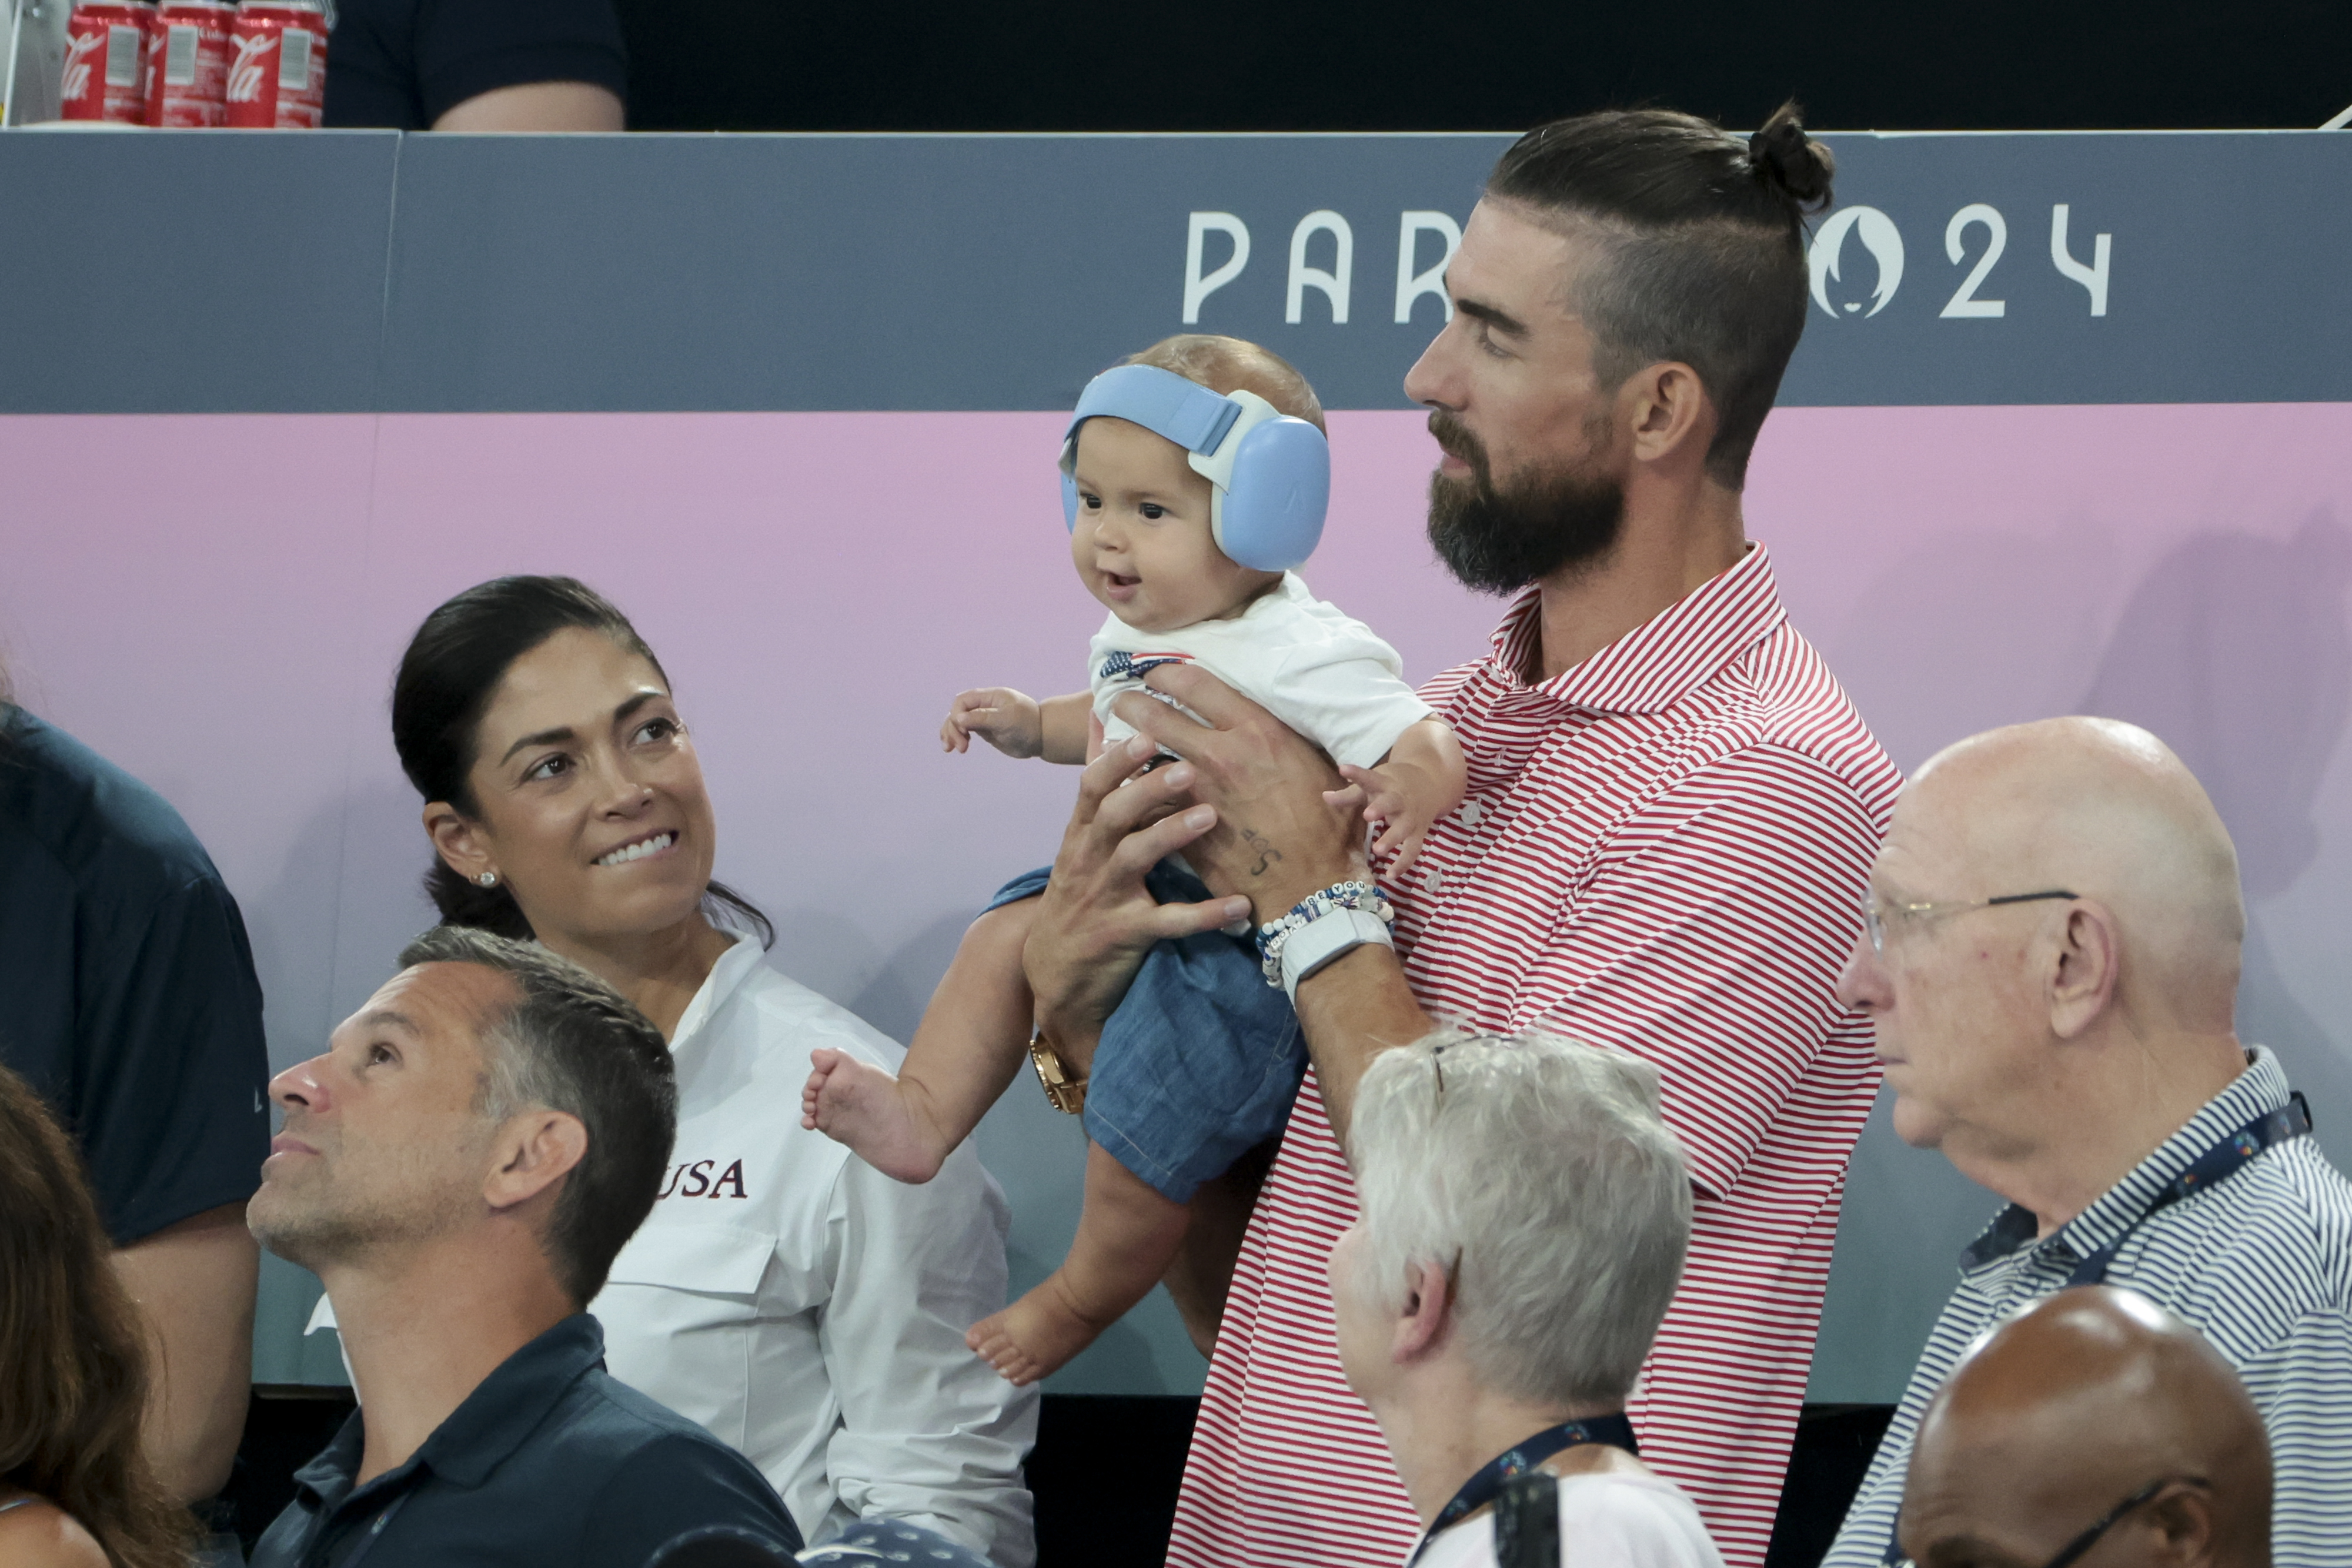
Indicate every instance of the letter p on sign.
{"type": "Point", "coordinates": [1197, 285]}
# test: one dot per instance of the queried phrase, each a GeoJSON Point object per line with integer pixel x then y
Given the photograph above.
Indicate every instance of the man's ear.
{"type": "Point", "coordinates": [1667, 409]}
{"type": "Point", "coordinates": [2084, 966]}
{"type": "Point", "coordinates": [534, 1150]}
{"type": "Point", "coordinates": [2179, 1523]}
{"type": "Point", "coordinates": [458, 841]}
{"type": "Point", "coordinates": [1427, 1314]}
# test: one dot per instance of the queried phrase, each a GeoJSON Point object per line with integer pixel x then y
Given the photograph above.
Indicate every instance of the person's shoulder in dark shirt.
{"type": "Point", "coordinates": [552, 1462]}
{"type": "Point", "coordinates": [665, 1476]}
{"type": "Point", "coordinates": [100, 825]}
{"type": "Point", "coordinates": [133, 1008]}
{"type": "Point", "coordinates": [404, 64]}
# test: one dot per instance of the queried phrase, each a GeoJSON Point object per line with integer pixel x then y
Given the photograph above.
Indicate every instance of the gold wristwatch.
{"type": "Point", "coordinates": [1063, 1093]}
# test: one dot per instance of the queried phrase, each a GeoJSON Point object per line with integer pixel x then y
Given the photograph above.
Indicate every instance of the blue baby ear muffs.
{"type": "Point", "coordinates": [1271, 472]}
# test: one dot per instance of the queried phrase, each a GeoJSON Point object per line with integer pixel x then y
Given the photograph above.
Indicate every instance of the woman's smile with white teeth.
{"type": "Point", "coordinates": [638, 850]}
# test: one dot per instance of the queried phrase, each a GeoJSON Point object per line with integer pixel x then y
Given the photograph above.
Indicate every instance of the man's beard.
{"type": "Point", "coordinates": [318, 1222]}
{"type": "Point", "coordinates": [1500, 540]}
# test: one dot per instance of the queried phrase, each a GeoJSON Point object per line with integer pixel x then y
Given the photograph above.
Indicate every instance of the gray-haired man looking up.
{"type": "Point", "coordinates": [460, 1167]}
{"type": "Point", "coordinates": [2051, 959]}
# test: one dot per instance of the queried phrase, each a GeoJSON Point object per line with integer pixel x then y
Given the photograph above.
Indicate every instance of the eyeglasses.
{"type": "Point", "coordinates": [1875, 915]}
{"type": "Point", "coordinates": [2090, 1538]}
{"type": "Point", "coordinates": [1437, 1052]}
{"type": "Point", "coordinates": [2074, 1550]}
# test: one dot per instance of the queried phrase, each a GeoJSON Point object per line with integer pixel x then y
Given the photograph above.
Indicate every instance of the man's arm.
{"type": "Point", "coordinates": [1094, 921]}
{"type": "Point", "coordinates": [1068, 724]}
{"type": "Point", "coordinates": [174, 1127]}
{"type": "Point", "coordinates": [1351, 1010]}
{"type": "Point", "coordinates": [194, 1282]}
{"type": "Point", "coordinates": [1276, 838]}
{"type": "Point", "coordinates": [537, 105]}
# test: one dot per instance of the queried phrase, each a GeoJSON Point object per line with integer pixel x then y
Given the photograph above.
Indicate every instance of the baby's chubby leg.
{"type": "Point", "coordinates": [1128, 1235]}
{"type": "Point", "coordinates": [964, 1052]}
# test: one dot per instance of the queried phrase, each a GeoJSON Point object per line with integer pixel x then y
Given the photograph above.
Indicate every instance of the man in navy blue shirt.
{"type": "Point", "coordinates": [133, 1010]}
{"type": "Point", "coordinates": [460, 1167]}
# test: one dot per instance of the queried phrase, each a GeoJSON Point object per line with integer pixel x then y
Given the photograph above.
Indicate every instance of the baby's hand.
{"type": "Point", "coordinates": [1390, 801]}
{"type": "Point", "coordinates": [1001, 717]}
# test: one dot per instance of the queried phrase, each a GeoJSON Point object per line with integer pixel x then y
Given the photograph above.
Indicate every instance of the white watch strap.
{"type": "Point", "coordinates": [1324, 939]}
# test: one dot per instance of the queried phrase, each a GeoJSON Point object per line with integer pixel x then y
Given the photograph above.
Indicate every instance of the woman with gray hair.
{"type": "Point", "coordinates": [1524, 1213]}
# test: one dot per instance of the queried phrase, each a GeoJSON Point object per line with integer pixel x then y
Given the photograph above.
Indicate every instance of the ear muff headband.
{"type": "Point", "coordinates": [1271, 474]}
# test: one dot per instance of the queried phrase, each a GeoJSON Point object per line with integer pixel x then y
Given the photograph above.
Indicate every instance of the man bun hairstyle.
{"type": "Point", "coordinates": [447, 679]}
{"type": "Point", "coordinates": [1782, 155]}
{"type": "Point", "coordinates": [1698, 248]}
{"type": "Point", "coordinates": [572, 1043]}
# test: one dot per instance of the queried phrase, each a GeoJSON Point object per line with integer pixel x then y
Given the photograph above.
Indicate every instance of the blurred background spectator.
{"type": "Point", "coordinates": [1052, 65]}
{"type": "Point", "coordinates": [477, 65]}
{"type": "Point", "coordinates": [133, 1012]}
{"type": "Point", "coordinates": [75, 1489]}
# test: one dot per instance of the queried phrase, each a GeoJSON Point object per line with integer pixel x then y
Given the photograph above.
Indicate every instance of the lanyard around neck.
{"type": "Point", "coordinates": [1484, 1486]}
{"type": "Point", "coordinates": [2210, 1170]}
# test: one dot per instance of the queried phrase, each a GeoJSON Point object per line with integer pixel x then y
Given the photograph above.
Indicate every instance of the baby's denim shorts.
{"type": "Point", "coordinates": [1201, 1063]}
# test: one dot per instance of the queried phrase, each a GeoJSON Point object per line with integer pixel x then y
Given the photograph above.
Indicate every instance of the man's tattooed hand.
{"type": "Point", "coordinates": [1267, 853]}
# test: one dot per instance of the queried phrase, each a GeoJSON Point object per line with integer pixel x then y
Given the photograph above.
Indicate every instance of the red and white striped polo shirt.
{"type": "Point", "coordinates": [1662, 850]}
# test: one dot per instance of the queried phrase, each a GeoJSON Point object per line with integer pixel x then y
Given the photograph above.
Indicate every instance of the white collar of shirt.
{"type": "Point", "coordinates": [727, 975]}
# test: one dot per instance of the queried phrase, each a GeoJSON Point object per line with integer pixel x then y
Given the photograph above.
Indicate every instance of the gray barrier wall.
{"type": "Point", "coordinates": [363, 270]}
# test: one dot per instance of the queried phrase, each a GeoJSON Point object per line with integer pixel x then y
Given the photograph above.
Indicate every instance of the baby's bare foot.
{"type": "Point", "coordinates": [1035, 1335]}
{"type": "Point", "coordinates": [857, 1103]}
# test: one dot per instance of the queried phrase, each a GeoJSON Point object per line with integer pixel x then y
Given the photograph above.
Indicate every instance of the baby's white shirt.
{"type": "Point", "coordinates": [1324, 674]}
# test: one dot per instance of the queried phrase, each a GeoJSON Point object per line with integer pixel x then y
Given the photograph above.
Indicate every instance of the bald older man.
{"type": "Point", "coordinates": [2050, 960]}
{"type": "Point", "coordinates": [2094, 1419]}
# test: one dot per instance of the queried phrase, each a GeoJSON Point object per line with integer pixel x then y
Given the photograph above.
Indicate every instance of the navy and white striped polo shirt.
{"type": "Point", "coordinates": [2261, 1263]}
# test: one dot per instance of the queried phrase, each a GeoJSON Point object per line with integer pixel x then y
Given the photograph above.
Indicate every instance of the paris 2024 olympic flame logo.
{"type": "Point", "coordinates": [1878, 235]}
{"type": "Point", "coordinates": [245, 71]}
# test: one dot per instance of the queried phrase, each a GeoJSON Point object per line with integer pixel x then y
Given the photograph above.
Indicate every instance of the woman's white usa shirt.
{"type": "Point", "coordinates": [809, 1310]}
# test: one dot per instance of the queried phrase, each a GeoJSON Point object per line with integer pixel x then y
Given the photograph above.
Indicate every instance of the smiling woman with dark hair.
{"type": "Point", "coordinates": [794, 1301]}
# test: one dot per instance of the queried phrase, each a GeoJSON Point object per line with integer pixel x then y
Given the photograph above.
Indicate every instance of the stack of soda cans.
{"type": "Point", "coordinates": [261, 65]}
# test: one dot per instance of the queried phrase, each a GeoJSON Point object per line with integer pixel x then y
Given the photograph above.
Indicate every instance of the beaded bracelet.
{"type": "Point", "coordinates": [1275, 934]}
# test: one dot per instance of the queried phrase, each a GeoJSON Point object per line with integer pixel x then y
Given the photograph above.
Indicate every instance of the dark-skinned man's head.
{"type": "Point", "coordinates": [2096, 1429]}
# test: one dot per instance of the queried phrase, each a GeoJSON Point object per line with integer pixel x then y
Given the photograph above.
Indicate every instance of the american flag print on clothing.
{"type": "Point", "coordinates": [1122, 665]}
{"type": "Point", "coordinates": [1663, 850]}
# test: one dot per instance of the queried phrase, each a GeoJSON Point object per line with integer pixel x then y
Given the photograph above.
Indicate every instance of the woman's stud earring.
{"type": "Point", "coordinates": [488, 879]}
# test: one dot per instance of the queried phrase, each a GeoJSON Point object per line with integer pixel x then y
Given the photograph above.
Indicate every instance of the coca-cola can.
{"type": "Point", "coordinates": [189, 85]}
{"type": "Point", "coordinates": [278, 71]}
{"type": "Point", "coordinates": [151, 59]}
{"type": "Point", "coordinates": [106, 58]}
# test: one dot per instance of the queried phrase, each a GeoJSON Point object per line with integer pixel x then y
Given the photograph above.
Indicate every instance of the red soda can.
{"type": "Point", "coordinates": [189, 84]}
{"type": "Point", "coordinates": [151, 58]}
{"type": "Point", "coordinates": [277, 77]}
{"type": "Point", "coordinates": [106, 55]}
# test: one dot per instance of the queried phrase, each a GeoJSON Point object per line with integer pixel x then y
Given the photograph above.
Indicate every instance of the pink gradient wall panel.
{"type": "Point", "coordinates": [217, 604]}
